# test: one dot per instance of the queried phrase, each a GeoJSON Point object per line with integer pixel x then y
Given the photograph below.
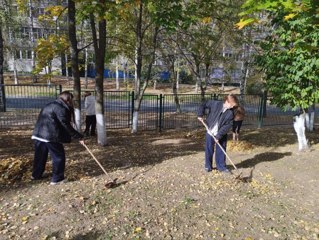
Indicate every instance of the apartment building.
{"type": "Point", "coordinates": [24, 32]}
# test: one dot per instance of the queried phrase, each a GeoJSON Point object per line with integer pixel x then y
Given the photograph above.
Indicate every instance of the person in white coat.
{"type": "Point", "coordinates": [90, 120]}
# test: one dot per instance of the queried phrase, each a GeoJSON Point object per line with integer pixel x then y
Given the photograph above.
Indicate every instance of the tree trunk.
{"type": "Point", "coordinates": [243, 79]}
{"type": "Point", "coordinates": [75, 64]}
{"type": "Point", "coordinates": [86, 68]}
{"type": "Point", "coordinates": [117, 81]}
{"type": "Point", "coordinates": [138, 69]}
{"type": "Point", "coordinates": [15, 72]}
{"type": "Point", "coordinates": [177, 76]}
{"type": "Point", "coordinates": [139, 58]}
{"type": "Point", "coordinates": [174, 84]}
{"type": "Point", "coordinates": [299, 126]}
{"type": "Point", "coordinates": [204, 88]}
{"type": "Point", "coordinates": [63, 65]}
{"type": "Point", "coordinates": [2, 92]}
{"type": "Point", "coordinates": [244, 68]}
{"type": "Point", "coordinates": [99, 49]}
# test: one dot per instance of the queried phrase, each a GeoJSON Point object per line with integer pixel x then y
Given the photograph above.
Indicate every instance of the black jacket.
{"type": "Point", "coordinates": [214, 109]}
{"type": "Point", "coordinates": [54, 123]}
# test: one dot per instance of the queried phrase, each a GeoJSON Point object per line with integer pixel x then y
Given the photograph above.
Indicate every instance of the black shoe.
{"type": "Point", "coordinates": [208, 170]}
{"type": "Point", "coordinates": [44, 176]}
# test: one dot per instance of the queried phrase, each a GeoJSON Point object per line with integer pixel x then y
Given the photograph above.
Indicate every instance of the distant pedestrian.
{"type": "Point", "coordinates": [239, 115]}
{"type": "Point", "coordinates": [90, 119]}
{"type": "Point", "coordinates": [219, 121]}
{"type": "Point", "coordinates": [52, 129]}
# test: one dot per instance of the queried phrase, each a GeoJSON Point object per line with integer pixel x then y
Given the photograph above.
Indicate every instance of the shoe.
{"type": "Point", "coordinates": [208, 170]}
{"type": "Point", "coordinates": [44, 175]}
{"type": "Point", "coordinates": [59, 182]}
{"type": "Point", "coordinates": [226, 171]}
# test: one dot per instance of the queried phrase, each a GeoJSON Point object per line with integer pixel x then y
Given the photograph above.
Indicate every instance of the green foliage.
{"type": "Point", "coordinates": [290, 53]}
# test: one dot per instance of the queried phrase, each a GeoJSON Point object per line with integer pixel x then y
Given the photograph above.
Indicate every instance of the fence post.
{"type": "Point", "coordinates": [161, 98]}
{"type": "Point", "coordinates": [2, 98]}
{"type": "Point", "coordinates": [261, 109]}
{"type": "Point", "coordinates": [59, 90]}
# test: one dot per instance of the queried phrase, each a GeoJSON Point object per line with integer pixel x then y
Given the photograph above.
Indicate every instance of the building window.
{"type": "Point", "coordinates": [29, 54]}
{"type": "Point", "coordinates": [38, 12]}
{"type": "Point", "coordinates": [24, 54]}
{"type": "Point", "coordinates": [17, 54]}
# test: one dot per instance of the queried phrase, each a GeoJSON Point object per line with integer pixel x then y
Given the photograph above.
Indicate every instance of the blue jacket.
{"type": "Point", "coordinates": [213, 109]}
{"type": "Point", "coordinates": [54, 123]}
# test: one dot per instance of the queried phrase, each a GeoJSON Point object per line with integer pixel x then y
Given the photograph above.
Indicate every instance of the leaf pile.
{"type": "Point", "coordinates": [13, 169]}
{"type": "Point", "coordinates": [239, 146]}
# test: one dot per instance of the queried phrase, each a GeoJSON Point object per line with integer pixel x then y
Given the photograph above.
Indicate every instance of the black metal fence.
{"type": "Point", "coordinates": [22, 103]}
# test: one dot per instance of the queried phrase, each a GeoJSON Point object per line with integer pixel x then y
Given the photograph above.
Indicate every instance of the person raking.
{"type": "Point", "coordinates": [219, 118]}
{"type": "Point", "coordinates": [52, 129]}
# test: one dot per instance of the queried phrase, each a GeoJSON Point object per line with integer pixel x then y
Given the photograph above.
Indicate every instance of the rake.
{"type": "Point", "coordinates": [112, 183]}
{"type": "Point", "coordinates": [210, 133]}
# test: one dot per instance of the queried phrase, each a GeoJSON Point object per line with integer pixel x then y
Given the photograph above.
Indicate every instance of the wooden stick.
{"type": "Point", "coordinates": [108, 176]}
{"type": "Point", "coordinates": [210, 133]}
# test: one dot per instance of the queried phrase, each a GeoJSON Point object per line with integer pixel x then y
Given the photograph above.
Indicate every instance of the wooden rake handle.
{"type": "Point", "coordinates": [97, 161]}
{"type": "Point", "coordinates": [216, 141]}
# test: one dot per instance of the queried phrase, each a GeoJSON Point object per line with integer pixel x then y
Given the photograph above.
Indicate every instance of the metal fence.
{"type": "Point", "coordinates": [22, 104]}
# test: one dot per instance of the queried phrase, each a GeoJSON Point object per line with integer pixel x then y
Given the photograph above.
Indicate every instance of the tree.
{"type": "Point", "coordinates": [203, 42]}
{"type": "Point", "coordinates": [4, 20]}
{"type": "Point", "coordinates": [75, 62]}
{"type": "Point", "coordinates": [140, 23]}
{"type": "Point", "coordinates": [96, 13]}
{"type": "Point", "coordinates": [2, 93]}
{"type": "Point", "coordinates": [290, 52]}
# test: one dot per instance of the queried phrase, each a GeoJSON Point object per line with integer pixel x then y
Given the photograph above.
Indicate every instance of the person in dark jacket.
{"type": "Point", "coordinates": [219, 120]}
{"type": "Point", "coordinates": [52, 129]}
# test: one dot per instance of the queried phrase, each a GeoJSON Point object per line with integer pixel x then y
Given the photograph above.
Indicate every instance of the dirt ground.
{"type": "Point", "coordinates": [162, 190]}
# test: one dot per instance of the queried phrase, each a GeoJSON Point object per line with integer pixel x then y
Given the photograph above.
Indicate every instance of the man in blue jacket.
{"type": "Point", "coordinates": [219, 121]}
{"type": "Point", "coordinates": [52, 129]}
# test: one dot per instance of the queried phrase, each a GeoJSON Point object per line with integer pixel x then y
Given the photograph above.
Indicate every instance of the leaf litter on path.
{"type": "Point", "coordinates": [165, 194]}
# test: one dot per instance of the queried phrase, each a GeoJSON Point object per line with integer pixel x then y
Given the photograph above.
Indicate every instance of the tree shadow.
{"type": "Point", "coordinates": [262, 157]}
{"type": "Point", "coordinates": [274, 136]}
{"type": "Point", "coordinates": [125, 151]}
{"type": "Point", "coordinates": [270, 137]}
{"type": "Point", "coordinates": [144, 149]}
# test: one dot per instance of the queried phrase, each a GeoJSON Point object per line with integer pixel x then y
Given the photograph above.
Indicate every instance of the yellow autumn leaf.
{"type": "Point", "coordinates": [289, 16]}
{"type": "Point", "coordinates": [242, 23]}
{"type": "Point", "coordinates": [25, 219]}
{"type": "Point", "coordinates": [206, 20]}
{"type": "Point", "coordinates": [249, 238]}
{"type": "Point", "coordinates": [138, 230]}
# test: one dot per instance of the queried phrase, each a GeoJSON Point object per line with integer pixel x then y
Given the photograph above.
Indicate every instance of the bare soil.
{"type": "Point", "coordinates": [162, 190]}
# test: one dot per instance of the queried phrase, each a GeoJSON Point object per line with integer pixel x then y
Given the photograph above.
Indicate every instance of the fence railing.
{"type": "Point", "coordinates": [22, 104]}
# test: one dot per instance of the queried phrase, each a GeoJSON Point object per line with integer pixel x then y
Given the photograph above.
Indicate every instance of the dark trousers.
{"type": "Point", "coordinates": [90, 124]}
{"type": "Point", "coordinates": [56, 150]}
{"type": "Point", "coordinates": [209, 153]}
{"type": "Point", "coordinates": [237, 126]}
